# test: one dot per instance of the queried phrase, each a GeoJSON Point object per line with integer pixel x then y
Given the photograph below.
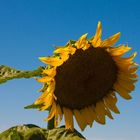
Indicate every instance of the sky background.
{"type": "Point", "coordinates": [32, 28]}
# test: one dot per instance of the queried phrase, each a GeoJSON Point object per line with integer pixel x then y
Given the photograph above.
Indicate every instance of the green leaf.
{"type": "Point", "coordinates": [8, 73]}
{"type": "Point", "coordinates": [33, 132]}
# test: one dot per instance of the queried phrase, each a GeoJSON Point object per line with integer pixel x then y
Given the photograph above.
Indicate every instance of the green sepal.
{"type": "Point", "coordinates": [72, 41]}
{"type": "Point", "coordinates": [33, 106]}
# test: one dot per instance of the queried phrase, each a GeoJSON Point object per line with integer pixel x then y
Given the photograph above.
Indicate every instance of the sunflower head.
{"type": "Point", "coordinates": [83, 77]}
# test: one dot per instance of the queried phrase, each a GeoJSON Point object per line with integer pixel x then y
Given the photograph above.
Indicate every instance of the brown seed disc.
{"type": "Point", "coordinates": [86, 77]}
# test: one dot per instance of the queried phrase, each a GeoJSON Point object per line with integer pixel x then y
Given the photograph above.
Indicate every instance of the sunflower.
{"type": "Point", "coordinates": [82, 79]}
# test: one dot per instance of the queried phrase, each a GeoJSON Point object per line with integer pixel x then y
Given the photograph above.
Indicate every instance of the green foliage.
{"type": "Point", "coordinates": [33, 132]}
{"type": "Point", "coordinates": [8, 73]}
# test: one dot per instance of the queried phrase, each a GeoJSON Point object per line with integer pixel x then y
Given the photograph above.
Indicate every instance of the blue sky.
{"type": "Point", "coordinates": [32, 28]}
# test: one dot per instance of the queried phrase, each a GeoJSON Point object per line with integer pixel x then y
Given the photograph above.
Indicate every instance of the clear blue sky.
{"type": "Point", "coordinates": [32, 28]}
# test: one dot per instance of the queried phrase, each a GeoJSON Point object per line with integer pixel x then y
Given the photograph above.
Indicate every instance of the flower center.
{"type": "Point", "coordinates": [86, 77]}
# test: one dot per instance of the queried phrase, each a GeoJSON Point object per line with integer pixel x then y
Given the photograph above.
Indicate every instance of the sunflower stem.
{"type": "Point", "coordinates": [51, 124]}
{"type": "Point", "coordinates": [8, 73]}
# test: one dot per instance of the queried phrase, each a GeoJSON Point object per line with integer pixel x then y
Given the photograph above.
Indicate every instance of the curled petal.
{"type": "Point", "coordinates": [80, 120]}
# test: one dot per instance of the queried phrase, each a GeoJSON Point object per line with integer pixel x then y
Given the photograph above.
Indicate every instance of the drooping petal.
{"type": "Point", "coordinates": [59, 111]}
{"type": "Point", "coordinates": [52, 112]}
{"type": "Point", "coordinates": [110, 41]}
{"type": "Point", "coordinates": [100, 111]}
{"type": "Point", "coordinates": [68, 119]}
{"type": "Point", "coordinates": [80, 120]}
{"type": "Point", "coordinates": [86, 112]}
{"type": "Point", "coordinates": [58, 116]}
{"type": "Point", "coordinates": [92, 114]}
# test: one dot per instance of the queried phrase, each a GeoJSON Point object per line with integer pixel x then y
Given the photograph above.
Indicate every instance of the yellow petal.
{"type": "Point", "coordinates": [58, 116]}
{"type": "Point", "coordinates": [98, 118]}
{"type": "Point", "coordinates": [81, 42]}
{"type": "Point", "coordinates": [64, 56]}
{"type": "Point", "coordinates": [124, 66]}
{"type": "Point", "coordinates": [53, 61]}
{"type": "Point", "coordinates": [80, 120]}
{"type": "Point", "coordinates": [111, 40]}
{"type": "Point", "coordinates": [86, 112]}
{"type": "Point", "coordinates": [127, 86]}
{"type": "Point", "coordinates": [108, 113]}
{"type": "Point", "coordinates": [122, 92]}
{"type": "Point", "coordinates": [92, 114]}
{"type": "Point", "coordinates": [127, 74]}
{"type": "Point", "coordinates": [51, 87]}
{"type": "Point", "coordinates": [111, 104]}
{"type": "Point", "coordinates": [52, 112]}
{"type": "Point", "coordinates": [47, 102]}
{"type": "Point", "coordinates": [61, 50]}
{"type": "Point", "coordinates": [112, 97]}
{"type": "Point", "coordinates": [86, 46]}
{"type": "Point", "coordinates": [68, 119]}
{"type": "Point", "coordinates": [44, 79]}
{"type": "Point", "coordinates": [50, 72]}
{"type": "Point", "coordinates": [59, 112]}
{"type": "Point", "coordinates": [72, 50]}
{"type": "Point", "coordinates": [100, 111]}
{"type": "Point", "coordinates": [118, 50]}
{"type": "Point", "coordinates": [132, 70]}
{"type": "Point", "coordinates": [128, 60]}
{"type": "Point", "coordinates": [127, 79]}
{"type": "Point", "coordinates": [106, 110]}
{"type": "Point", "coordinates": [69, 49]}
{"type": "Point", "coordinates": [56, 121]}
{"type": "Point", "coordinates": [96, 41]}
{"type": "Point", "coordinates": [41, 98]}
